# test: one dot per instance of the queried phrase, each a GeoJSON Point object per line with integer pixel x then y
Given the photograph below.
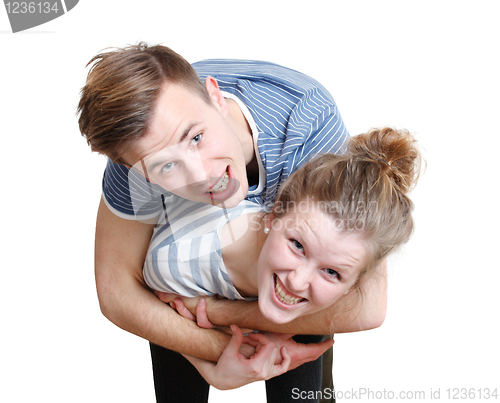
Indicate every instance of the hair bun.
{"type": "Point", "coordinates": [394, 151]}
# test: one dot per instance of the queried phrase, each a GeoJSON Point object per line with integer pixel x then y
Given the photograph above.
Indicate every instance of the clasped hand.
{"type": "Point", "coordinates": [234, 369]}
{"type": "Point", "coordinates": [246, 359]}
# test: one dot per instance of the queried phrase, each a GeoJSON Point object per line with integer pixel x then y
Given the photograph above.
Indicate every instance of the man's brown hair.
{"type": "Point", "coordinates": [123, 85]}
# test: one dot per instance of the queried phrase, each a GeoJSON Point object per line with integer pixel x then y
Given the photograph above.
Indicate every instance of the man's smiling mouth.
{"type": "Point", "coordinates": [221, 185]}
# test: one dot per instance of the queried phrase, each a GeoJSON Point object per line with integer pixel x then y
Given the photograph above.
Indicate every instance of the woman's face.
{"type": "Point", "coordinates": [306, 264]}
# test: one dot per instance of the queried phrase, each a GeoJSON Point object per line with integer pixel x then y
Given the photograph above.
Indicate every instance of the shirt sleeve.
{"type": "Point", "coordinates": [129, 194]}
{"type": "Point", "coordinates": [314, 126]}
{"type": "Point", "coordinates": [325, 134]}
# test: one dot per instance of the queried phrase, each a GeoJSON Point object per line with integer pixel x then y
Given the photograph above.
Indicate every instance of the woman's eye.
{"type": "Point", "coordinates": [167, 167]}
{"type": "Point", "coordinates": [196, 139]}
{"type": "Point", "coordinates": [297, 244]}
{"type": "Point", "coordinates": [332, 273]}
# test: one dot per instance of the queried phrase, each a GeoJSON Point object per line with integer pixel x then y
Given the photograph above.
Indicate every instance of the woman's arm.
{"type": "Point", "coordinates": [125, 299]}
{"type": "Point", "coordinates": [349, 314]}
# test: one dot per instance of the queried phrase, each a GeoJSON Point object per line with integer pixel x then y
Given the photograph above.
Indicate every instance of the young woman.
{"type": "Point", "coordinates": [333, 221]}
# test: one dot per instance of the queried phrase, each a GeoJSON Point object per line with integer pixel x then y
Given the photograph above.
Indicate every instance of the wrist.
{"type": "Point", "coordinates": [218, 312]}
{"type": "Point", "coordinates": [223, 312]}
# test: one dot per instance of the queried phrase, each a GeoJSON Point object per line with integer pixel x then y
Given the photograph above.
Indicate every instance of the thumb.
{"type": "Point", "coordinates": [236, 340]}
{"type": "Point", "coordinates": [201, 315]}
{"type": "Point", "coordinates": [165, 296]}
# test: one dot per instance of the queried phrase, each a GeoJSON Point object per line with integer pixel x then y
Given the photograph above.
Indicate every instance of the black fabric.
{"type": "Point", "coordinates": [327, 377]}
{"type": "Point", "coordinates": [176, 380]}
{"type": "Point", "coordinates": [307, 377]}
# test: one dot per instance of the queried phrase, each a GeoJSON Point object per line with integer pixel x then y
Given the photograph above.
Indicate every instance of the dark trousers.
{"type": "Point", "coordinates": [176, 380]}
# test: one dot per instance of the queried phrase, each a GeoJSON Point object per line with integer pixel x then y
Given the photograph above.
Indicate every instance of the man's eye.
{"type": "Point", "coordinates": [167, 167]}
{"type": "Point", "coordinates": [196, 139]}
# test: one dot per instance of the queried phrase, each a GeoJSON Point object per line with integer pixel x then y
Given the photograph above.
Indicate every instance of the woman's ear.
{"type": "Point", "coordinates": [270, 218]}
{"type": "Point", "coordinates": [215, 93]}
{"type": "Point", "coordinates": [268, 223]}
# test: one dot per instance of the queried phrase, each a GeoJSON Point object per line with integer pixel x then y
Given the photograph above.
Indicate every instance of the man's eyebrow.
{"type": "Point", "coordinates": [152, 166]}
{"type": "Point", "coordinates": [188, 128]}
{"type": "Point", "coordinates": [185, 133]}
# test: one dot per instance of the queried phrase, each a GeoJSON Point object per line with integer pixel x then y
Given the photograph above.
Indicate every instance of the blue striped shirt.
{"type": "Point", "coordinates": [294, 117]}
{"type": "Point", "coordinates": [184, 256]}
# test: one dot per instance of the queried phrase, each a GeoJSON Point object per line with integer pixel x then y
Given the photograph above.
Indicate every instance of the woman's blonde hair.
{"type": "Point", "coordinates": [365, 190]}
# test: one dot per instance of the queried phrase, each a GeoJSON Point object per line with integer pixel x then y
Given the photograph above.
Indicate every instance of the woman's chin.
{"type": "Point", "coordinates": [276, 315]}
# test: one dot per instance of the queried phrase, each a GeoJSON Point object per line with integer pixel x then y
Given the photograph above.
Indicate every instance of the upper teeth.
{"type": "Point", "coordinates": [221, 185]}
{"type": "Point", "coordinates": [285, 298]}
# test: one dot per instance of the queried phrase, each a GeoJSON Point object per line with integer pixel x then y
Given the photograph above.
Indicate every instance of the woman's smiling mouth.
{"type": "Point", "coordinates": [282, 294]}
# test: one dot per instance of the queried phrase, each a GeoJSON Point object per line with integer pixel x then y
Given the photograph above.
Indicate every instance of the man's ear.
{"type": "Point", "coordinates": [215, 93]}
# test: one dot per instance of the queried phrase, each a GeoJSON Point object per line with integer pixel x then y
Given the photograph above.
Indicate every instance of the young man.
{"type": "Point", "coordinates": [236, 133]}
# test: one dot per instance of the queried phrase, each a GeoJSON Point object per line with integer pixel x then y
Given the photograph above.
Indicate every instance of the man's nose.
{"type": "Point", "coordinates": [197, 170]}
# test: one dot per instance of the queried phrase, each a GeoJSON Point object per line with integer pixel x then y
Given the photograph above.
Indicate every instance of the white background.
{"type": "Point", "coordinates": [429, 66]}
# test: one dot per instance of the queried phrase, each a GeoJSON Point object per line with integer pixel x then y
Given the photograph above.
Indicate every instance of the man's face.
{"type": "Point", "coordinates": [191, 150]}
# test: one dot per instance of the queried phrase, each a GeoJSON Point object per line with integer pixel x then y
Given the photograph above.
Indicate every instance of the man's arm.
{"type": "Point", "coordinates": [125, 299]}
{"type": "Point", "coordinates": [343, 317]}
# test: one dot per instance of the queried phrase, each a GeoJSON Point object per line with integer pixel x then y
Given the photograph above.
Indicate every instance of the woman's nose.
{"type": "Point", "coordinates": [299, 278]}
